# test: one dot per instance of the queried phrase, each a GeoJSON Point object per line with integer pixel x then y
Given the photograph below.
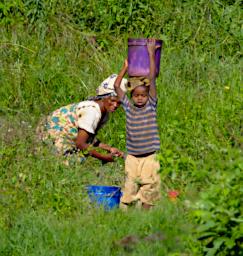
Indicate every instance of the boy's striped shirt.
{"type": "Point", "coordinates": [142, 134]}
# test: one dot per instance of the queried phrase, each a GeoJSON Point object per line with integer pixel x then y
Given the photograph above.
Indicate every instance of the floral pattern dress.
{"type": "Point", "coordinates": [61, 127]}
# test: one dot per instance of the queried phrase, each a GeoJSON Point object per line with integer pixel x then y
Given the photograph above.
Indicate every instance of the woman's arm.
{"type": "Point", "coordinates": [114, 151]}
{"type": "Point", "coordinates": [81, 143]}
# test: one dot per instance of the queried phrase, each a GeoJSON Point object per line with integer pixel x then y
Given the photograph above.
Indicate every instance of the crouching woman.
{"type": "Point", "coordinates": [72, 129]}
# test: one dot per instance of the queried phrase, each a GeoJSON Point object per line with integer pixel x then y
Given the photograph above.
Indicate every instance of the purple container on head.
{"type": "Point", "coordinates": [138, 57]}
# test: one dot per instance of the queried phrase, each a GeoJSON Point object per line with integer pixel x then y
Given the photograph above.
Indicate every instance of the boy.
{"type": "Point", "coordinates": [142, 183]}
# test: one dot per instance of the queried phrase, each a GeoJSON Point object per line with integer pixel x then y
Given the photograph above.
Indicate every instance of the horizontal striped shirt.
{"type": "Point", "coordinates": [142, 134]}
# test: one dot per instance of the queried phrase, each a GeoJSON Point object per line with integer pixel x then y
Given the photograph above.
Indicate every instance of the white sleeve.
{"type": "Point", "coordinates": [88, 119]}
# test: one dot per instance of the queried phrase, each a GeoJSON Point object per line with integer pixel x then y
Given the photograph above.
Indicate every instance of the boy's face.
{"type": "Point", "coordinates": [140, 96]}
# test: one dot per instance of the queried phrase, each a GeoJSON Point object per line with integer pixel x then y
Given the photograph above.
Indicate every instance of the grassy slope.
{"type": "Point", "coordinates": [43, 204]}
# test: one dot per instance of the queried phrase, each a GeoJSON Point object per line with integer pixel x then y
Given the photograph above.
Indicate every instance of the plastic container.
{"type": "Point", "coordinates": [105, 196]}
{"type": "Point", "coordinates": [138, 57]}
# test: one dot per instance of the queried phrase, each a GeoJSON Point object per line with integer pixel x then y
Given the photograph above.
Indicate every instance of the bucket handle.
{"type": "Point", "coordinates": [113, 193]}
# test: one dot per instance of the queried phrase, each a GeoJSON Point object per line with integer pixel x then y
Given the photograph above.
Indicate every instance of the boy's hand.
{"type": "Point", "coordinates": [151, 45]}
{"type": "Point", "coordinates": [117, 84]}
{"type": "Point", "coordinates": [125, 65]}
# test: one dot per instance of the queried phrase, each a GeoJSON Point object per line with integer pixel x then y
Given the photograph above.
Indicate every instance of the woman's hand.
{"type": "Point", "coordinates": [116, 152]}
{"type": "Point", "coordinates": [108, 158]}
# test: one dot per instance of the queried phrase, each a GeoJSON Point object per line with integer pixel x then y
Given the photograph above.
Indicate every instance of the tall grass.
{"type": "Point", "coordinates": [51, 57]}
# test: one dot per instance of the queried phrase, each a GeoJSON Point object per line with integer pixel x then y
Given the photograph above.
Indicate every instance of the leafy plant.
{"type": "Point", "coordinates": [57, 52]}
{"type": "Point", "coordinates": [11, 12]}
{"type": "Point", "coordinates": [219, 212]}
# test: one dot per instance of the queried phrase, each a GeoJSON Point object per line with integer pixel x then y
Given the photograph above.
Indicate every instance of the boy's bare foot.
{"type": "Point", "coordinates": [123, 206]}
{"type": "Point", "coordinates": [146, 206]}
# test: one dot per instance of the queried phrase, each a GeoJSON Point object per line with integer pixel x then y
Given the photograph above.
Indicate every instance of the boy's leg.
{"type": "Point", "coordinates": [150, 188]}
{"type": "Point", "coordinates": [131, 185]}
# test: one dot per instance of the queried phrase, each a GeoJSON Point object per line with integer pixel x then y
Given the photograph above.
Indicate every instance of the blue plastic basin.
{"type": "Point", "coordinates": [105, 196]}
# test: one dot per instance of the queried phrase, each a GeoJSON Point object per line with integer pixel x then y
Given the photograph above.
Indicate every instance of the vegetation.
{"type": "Point", "coordinates": [53, 54]}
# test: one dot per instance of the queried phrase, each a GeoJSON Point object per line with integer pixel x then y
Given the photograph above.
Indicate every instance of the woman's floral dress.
{"type": "Point", "coordinates": [61, 127]}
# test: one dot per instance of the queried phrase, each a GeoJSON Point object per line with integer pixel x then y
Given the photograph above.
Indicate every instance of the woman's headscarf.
{"type": "Point", "coordinates": [106, 88]}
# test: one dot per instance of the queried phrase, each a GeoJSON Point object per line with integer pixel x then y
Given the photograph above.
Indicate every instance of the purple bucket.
{"type": "Point", "coordinates": [138, 57]}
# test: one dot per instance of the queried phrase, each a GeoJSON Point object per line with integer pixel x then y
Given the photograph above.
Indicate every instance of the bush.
{"type": "Point", "coordinates": [219, 212]}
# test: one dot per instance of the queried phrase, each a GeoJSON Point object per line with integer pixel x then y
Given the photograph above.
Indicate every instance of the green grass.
{"type": "Point", "coordinates": [48, 63]}
{"type": "Point", "coordinates": [95, 232]}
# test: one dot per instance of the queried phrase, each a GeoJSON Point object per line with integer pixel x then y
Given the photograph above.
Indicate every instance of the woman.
{"type": "Point", "coordinates": [72, 129]}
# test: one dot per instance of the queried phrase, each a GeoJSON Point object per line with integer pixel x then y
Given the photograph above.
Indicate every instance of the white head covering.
{"type": "Point", "coordinates": [106, 88]}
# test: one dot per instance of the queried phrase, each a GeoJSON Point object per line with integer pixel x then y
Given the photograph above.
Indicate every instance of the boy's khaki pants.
{"type": "Point", "coordinates": [142, 180]}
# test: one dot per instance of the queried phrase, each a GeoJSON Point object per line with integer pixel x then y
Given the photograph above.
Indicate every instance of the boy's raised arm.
{"type": "Point", "coordinates": [119, 78]}
{"type": "Point", "coordinates": [152, 71]}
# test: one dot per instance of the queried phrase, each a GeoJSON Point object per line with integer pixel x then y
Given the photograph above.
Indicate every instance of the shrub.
{"type": "Point", "coordinates": [219, 212]}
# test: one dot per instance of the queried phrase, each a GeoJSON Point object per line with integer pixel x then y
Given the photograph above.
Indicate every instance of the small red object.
{"type": "Point", "coordinates": [173, 194]}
